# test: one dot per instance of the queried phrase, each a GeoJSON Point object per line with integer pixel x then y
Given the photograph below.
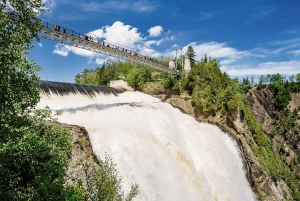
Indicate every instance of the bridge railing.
{"type": "Point", "coordinates": [89, 37]}
{"type": "Point", "coordinates": [61, 30]}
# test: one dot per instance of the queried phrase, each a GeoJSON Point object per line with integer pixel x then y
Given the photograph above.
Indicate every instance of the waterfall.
{"type": "Point", "coordinates": [169, 154]}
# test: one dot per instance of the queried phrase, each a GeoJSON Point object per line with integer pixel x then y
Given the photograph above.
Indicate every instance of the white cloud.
{"type": "Point", "coordinates": [262, 12]}
{"type": "Point", "coordinates": [62, 50]}
{"type": "Point", "coordinates": [289, 46]}
{"type": "Point", "coordinates": [100, 60]}
{"type": "Point", "coordinates": [150, 42]}
{"type": "Point", "coordinates": [117, 5]}
{"type": "Point", "coordinates": [294, 52]}
{"type": "Point", "coordinates": [155, 31]}
{"type": "Point", "coordinates": [221, 51]}
{"type": "Point", "coordinates": [40, 45]}
{"type": "Point", "coordinates": [49, 3]}
{"type": "Point", "coordinates": [285, 67]}
{"type": "Point", "coordinates": [204, 16]}
{"type": "Point", "coordinates": [119, 33]}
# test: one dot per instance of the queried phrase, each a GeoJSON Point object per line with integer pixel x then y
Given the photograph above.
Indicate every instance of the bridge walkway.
{"type": "Point", "coordinates": [66, 36]}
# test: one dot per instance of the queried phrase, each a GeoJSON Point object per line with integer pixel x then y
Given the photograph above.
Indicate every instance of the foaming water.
{"type": "Point", "coordinates": [169, 154]}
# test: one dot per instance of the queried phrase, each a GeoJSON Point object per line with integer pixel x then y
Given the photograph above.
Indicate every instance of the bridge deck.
{"type": "Point", "coordinates": [72, 38]}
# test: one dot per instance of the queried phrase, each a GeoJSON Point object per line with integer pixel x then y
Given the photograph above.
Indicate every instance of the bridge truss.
{"type": "Point", "coordinates": [69, 37]}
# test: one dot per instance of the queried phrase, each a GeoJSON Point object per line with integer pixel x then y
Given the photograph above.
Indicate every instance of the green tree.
{"type": "Point", "coordinates": [18, 74]}
{"type": "Point", "coordinates": [190, 53]}
{"type": "Point", "coordinates": [137, 77]}
{"type": "Point", "coordinates": [167, 81]}
{"type": "Point", "coordinates": [31, 168]}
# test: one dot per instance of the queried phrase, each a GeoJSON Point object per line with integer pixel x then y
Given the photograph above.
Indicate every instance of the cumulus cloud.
{"type": "Point", "coordinates": [120, 33]}
{"type": "Point", "coordinates": [62, 50]}
{"type": "Point", "coordinates": [155, 31]}
{"type": "Point", "coordinates": [284, 67]}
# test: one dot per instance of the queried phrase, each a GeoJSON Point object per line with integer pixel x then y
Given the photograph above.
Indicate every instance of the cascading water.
{"type": "Point", "coordinates": [169, 154]}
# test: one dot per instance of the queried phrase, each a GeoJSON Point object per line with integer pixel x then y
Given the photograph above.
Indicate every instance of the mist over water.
{"type": "Point", "coordinates": [169, 154]}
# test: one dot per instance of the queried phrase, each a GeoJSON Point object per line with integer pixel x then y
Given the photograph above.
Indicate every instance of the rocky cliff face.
{"type": "Point", "coordinates": [233, 124]}
{"type": "Point", "coordinates": [282, 127]}
{"type": "Point", "coordinates": [83, 160]}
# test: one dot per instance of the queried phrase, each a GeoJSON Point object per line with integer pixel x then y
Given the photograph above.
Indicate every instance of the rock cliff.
{"type": "Point", "coordinates": [233, 124]}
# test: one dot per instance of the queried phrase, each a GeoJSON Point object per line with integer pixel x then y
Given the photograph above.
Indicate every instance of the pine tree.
{"type": "Point", "coordinates": [190, 53]}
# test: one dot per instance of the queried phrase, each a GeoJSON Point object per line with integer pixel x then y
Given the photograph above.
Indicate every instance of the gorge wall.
{"type": "Point", "coordinates": [261, 105]}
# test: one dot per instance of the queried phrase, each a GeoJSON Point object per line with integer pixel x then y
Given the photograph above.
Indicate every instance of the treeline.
{"type": "Point", "coordinates": [136, 76]}
{"type": "Point", "coordinates": [281, 86]}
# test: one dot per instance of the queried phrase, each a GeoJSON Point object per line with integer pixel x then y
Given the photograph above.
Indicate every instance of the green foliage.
{"type": "Point", "coordinates": [34, 154]}
{"type": "Point", "coordinates": [167, 81]}
{"type": "Point", "coordinates": [190, 53]}
{"type": "Point", "coordinates": [137, 77]}
{"type": "Point", "coordinates": [106, 184]}
{"type": "Point", "coordinates": [269, 157]}
{"type": "Point", "coordinates": [281, 88]}
{"type": "Point", "coordinates": [213, 90]}
{"type": "Point", "coordinates": [31, 167]}
{"type": "Point", "coordinates": [76, 193]}
{"type": "Point", "coordinates": [18, 78]}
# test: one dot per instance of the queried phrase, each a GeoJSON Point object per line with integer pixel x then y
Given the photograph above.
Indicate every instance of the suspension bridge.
{"type": "Point", "coordinates": [56, 33]}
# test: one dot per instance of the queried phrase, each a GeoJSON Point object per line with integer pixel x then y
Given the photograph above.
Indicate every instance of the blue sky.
{"type": "Point", "coordinates": [248, 37]}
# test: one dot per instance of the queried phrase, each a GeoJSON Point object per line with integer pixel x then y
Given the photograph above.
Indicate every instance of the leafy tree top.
{"type": "Point", "coordinates": [18, 74]}
{"type": "Point", "coordinates": [190, 53]}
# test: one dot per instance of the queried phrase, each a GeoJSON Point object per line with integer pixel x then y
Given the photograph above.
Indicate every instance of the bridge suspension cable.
{"type": "Point", "coordinates": [67, 36]}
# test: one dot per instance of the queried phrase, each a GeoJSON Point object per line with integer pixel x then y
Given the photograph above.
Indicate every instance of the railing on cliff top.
{"type": "Point", "coordinates": [67, 36]}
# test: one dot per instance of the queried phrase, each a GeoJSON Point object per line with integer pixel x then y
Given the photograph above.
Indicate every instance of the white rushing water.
{"type": "Point", "coordinates": [170, 155]}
